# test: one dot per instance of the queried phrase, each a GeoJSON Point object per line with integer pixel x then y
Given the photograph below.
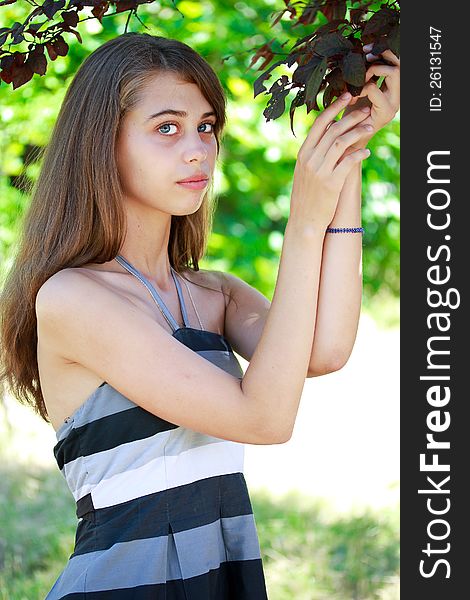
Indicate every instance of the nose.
{"type": "Point", "coordinates": [195, 150]}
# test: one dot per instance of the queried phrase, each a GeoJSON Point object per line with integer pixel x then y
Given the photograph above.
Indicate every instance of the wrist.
{"type": "Point", "coordinates": [307, 231]}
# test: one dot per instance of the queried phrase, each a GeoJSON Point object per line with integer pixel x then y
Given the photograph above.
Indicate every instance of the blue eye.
{"type": "Point", "coordinates": [175, 125]}
{"type": "Point", "coordinates": [166, 125]}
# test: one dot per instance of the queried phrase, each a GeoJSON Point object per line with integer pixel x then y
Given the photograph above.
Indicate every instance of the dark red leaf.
{"type": "Point", "coordinates": [393, 40]}
{"type": "Point", "coordinates": [380, 45]}
{"type": "Point", "coordinates": [61, 46]}
{"type": "Point", "coordinates": [99, 10]}
{"type": "Point", "coordinates": [122, 5]}
{"type": "Point", "coordinates": [353, 89]}
{"type": "Point", "coordinates": [381, 22]}
{"type": "Point", "coordinates": [314, 82]}
{"type": "Point", "coordinates": [302, 74]}
{"type": "Point", "coordinates": [328, 96]}
{"type": "Point", "coordinates": [70, 17]}
{"type": "Point", "coordinates": [332, 43]}
{"type": "Point", "coordinates": [18, 59]}
{"type": "Point", "coordinates": [334, 9]}
{"type": "Point", "coordinates": [50, 7]}
{"type": "Point", "coordinates": [296, 102]}
{"type": "Point", "coordinates": [327, 27]}
{"type": "Point", "coordinates": [277, 102]}
{"type": "Point", "coordinates": [335, 79]}
{"type": "Point", "coordinates": [6, 62]}
{"type": "Point", "coordinates": [38, 50]}
{"type": "Point", "coordinates": [356, 14]}
{"type": "Point", "coordinates": [258, 84]}
{"type": "Point", "coordinates": [6, 75]}
{"type": "Point", "coordinates": [51, 50]}
{"type": "Point", "coordinates": [38, 63]}
{"type": "Point", "coordinates": [353, 67]}
{"type": "Point", "coordinates": [21, 75]}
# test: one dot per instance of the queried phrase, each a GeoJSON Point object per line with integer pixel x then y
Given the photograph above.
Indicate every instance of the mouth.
{"type": "Point", "coordinates": [196, 178]}
{"type": "Point", "coordinates": [194, 184]}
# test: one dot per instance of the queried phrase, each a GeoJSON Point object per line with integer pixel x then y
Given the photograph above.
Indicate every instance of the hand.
{"type": "Point", "coordinates": [320, 173]}
{"type": "Point", "coordinates": [384, 102]}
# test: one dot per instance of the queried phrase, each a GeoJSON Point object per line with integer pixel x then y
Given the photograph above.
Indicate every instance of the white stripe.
{"type": "Point", "coordinates": [168, 472]}
{"type": "Point", "coordinates": [85, 472]}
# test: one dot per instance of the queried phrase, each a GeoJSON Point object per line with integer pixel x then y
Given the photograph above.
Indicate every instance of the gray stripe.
{"type": "Point", "coordinates": [102, 402]}
{"type": "Point", "coordinates": [157, 560]}
{"type": "Point", "coordinates": [92, 469]}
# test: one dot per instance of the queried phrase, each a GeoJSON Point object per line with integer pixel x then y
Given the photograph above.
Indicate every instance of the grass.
{"type": "Point", "coordinates": [308, 554]}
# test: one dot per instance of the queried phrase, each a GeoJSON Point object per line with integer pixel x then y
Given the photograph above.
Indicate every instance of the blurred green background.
{"type": "Point", "coordinates": [252, 208]}
{"type": "Point", "coordinates": [308, 552]}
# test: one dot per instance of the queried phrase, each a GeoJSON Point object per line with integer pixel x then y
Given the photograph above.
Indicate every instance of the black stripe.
{"type": "Point", "coordinates": [108, 432]}
{"type": "Point", "coordinates": [200, 339]}
{"type": "Point", "coordinates": [84, 506]}
{"type": "Point", "coordinates": [234, 580]}
{"type": "Point", "coordinates": [186, 506]}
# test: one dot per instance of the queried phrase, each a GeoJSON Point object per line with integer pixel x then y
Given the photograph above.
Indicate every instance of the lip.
{"type": "Point", "coordinates": [195, 184]}
{"type": "Point", "coordinates": [199, 177]}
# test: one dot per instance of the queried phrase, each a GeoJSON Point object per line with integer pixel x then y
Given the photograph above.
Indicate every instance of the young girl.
{"type": "Point", "coordinates": [114, 334]}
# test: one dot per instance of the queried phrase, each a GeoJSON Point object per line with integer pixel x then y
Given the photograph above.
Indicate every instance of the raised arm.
{"type": "Point", "coordinates": [108, 335]}
{"type": "Point", "coordinates": [340, 293]}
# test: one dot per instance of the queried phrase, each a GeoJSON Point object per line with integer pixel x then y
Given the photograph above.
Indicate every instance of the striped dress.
{"type": "Point", "coordinates": [163, 511]}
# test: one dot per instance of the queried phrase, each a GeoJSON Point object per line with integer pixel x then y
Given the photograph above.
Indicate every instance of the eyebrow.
{"type": "Point", "coordinates": [177, 113]}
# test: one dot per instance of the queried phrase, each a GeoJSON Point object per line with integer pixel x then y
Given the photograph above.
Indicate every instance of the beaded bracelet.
{"type": "Point", "coordinates": [345, 230]}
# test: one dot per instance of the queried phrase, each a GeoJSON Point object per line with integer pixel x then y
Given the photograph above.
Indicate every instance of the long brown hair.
{"type": "Point", "coordinates": [76, 215]}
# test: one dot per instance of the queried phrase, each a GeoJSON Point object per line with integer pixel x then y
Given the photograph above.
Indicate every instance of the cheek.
{"type": "Point", "coordinates": [138, 159]}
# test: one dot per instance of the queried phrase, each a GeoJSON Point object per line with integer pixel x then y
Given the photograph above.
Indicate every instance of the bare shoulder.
{"type": "Point", "coordinates": [65, 289]}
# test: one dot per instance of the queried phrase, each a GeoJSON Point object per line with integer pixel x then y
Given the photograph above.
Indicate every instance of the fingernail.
{"type": "Point", "coordinates": [368, 127]}
{"type": "Point", "coordinates": [370, 56]}
{"type": "Point", "coordinates": [346, 96]}
{"type": "Point", "coordinates": [365, 109]}
{"type": "Point", "coordinates": [367, 47]}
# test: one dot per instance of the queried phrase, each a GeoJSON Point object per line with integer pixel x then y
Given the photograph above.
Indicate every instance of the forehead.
{"type": "Point", "coordinates": [169, 90]}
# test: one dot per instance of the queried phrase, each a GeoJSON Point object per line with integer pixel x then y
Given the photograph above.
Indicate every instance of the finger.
{"type": "Point", "coordinates": [338, 128]}
{"type": "Point", "coordinates": [343, 168]}
{"type": "Point", "coordinates": [380, 70]}
{"type": "Point", "coordinates": [391, 57]}
{"type": "Point", "coordinates": [376, 96]}
{"type": "Point", "coordinates": [323, 120]}
{"type": "Point", "coordinates": [391, 84]}
{"type": "Point", "coordinates": [341, 143]}
{"type": "Point", "coordinates": [351, 116]}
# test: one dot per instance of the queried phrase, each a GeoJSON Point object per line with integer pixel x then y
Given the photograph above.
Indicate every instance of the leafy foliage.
{"type": "Point", "coordinates": [18, 67]}
{"type": "Point", "coordinates": [330, 57]}
{"type": "Point", "coordinates": [254, 175]}
{"type": "Point", "coordinates": [335, 46]}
